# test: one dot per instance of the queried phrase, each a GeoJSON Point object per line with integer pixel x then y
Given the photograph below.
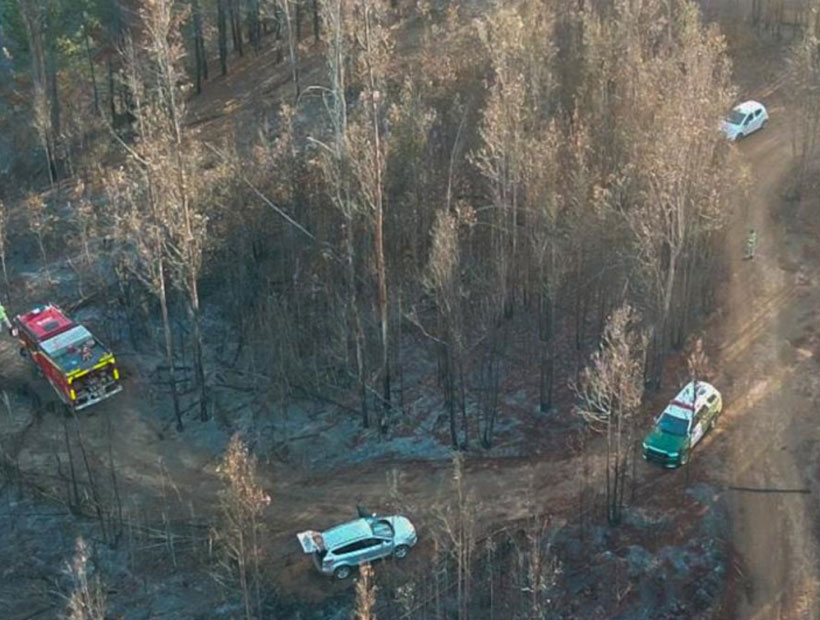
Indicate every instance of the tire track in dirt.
{"type": "Point", "coordinates": [778, 578]}
{"type": "Point", "coordinates": [767, 416]}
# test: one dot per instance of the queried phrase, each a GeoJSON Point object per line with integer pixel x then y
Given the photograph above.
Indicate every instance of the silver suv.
{"type": "Point", "coordinates": [339, 550]}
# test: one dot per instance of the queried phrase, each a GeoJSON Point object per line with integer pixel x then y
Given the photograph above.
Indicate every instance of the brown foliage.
{"type": "Point", "coordinates": [87, 600]}
{"type": "Point", "coordinates": [242, 502]}
{"type": "Point", "coordinates": [609, 395]}
{"type": "Point", "coordinates": [365, 594]}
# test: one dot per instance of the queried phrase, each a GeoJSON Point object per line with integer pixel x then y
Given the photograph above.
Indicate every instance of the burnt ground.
{"type": "Point", "coordinates": [734, 534]}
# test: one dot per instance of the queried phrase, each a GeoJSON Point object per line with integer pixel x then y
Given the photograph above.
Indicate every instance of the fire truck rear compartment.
{"type": "Point", "coordinates": [95, 386]}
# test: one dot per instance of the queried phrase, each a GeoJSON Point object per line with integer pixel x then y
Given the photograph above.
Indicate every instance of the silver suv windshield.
{"type": "Point", "coordinates": [382, 529]}
{"type": "Point", "coordinates": [735, 117]}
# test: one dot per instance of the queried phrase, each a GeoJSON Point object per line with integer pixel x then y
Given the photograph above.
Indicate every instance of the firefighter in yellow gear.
{"type": "Point", "coordinates": [4, 319]}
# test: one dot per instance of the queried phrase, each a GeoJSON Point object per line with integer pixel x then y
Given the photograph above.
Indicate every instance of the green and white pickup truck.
{"type": "Point", "coordinates": [683, 424]}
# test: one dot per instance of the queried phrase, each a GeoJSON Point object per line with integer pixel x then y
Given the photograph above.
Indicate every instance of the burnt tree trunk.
{"type": "Point", "coordinates": [53, 89]}
{"type": "Point", "coordinates": [298, 4]}
{"type": "Point", "coordinates": [90, 58]}
{"type": "Point", "coordinates": [316, 22]}
{"type": "Point", "coordinates": [222, 29]}
{"type": "Point", "coordinates": [200, 62]}
{"type": "Point", "coordinates": [236, 28]}
{"type": "Point", "coordinates": [253, 23]}
{"type": "Point", "coordinates": [169, 345]}
{"type": "Point", "coordinates": [112, 102]}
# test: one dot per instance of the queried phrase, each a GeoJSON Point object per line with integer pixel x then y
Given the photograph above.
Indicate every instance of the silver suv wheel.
{"type": "Point", "coordinates": [400, 552]}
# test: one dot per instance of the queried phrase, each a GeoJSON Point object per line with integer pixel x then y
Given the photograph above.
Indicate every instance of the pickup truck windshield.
{"type": "Point", "coordinates": [673, 425]}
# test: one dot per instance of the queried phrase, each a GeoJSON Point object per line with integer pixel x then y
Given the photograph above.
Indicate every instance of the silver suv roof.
{"type": "Point", "coordinates": [347, 533]}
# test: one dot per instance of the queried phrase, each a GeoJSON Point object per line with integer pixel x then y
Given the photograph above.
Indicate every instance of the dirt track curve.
{"type": "Point", "coordinates": [768, 361]}
{"type": "Point", "coordinates": [767, 354]}
{"type": "Point", "coordinates": [768, 358]}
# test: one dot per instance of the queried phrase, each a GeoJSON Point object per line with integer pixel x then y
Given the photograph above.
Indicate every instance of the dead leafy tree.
{"type": "Point", "coordinates": [697, 361]}
{"type": "Point", "coordinates": [443, 284]}
{"type": "Point", "coordinates": [458, 521]}
{"type": "Point", "coordinates": [242, 502]}
{"type": "Point", "coordinates": [519, 159]}
{"type": "Point", "coordinates": [501, 157]}
{"type": "Point", "coordinates": [235, 19]}
{"type": "Point", "coordinates": [222, 34]}
{"type": "Point", "coordinates": [609, 395]}
{"type": "Point", "coordinates": [538, 568]}
{"type": "Point", "coordinates": [184, 221]}
{"type": "Point", "coordinates": [334, 162]}
{"type": "Point", "coordinates": [547, 241]}
{"type": "Point", "coordinates": [200, 54]}
{"type": "Point", "coordinates": [353, 164]}
{"type": "Point", "coordinates": [670, 190]}
{"type": "Point", "coordinates": [491, 370]}
{"type": "Point", "coordinates": [365, 594]}
{"type": "Point", "coordinates": [686, 195]}
{"type": "Point", "coordinates": [282, 155]}
{"type": "Point", "coordinates": [285, 10]}
{"type": "Point", "coordinates": [87, 600]}
{"type": "Point", "coordinates": [367, 146]}
{"type": "Point", "coordinates": [139, 192]}
{"type": "Point", "coordinates": [142, 251]}
{"type": "Point", "coordinates": [84, 217]}
{"type": "Point", "coordinates": [804, 85]}
{"type": "Point", "coordinates": [409, 175]}
{"type": "Point", "coordinates": [34, 14]}
{"type": "Point", "coordinates": [40, 222]}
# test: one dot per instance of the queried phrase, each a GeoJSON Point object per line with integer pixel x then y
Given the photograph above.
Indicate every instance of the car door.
{"type": "Point", "coordinates": [748, 124]}
{"type": "Point", "coordinates": [347, 555]}
{"type": "Point", "coordinates": [714, 403]}
{"type": "Point", "coordinates": [757, 120]}
{"type": "Point", "coordinates": [375, 548]}
{"type": "Point", "coordinates": [698, 426]}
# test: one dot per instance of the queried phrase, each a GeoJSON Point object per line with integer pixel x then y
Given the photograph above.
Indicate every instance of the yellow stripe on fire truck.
{"type": "Point", "coordinates": [104, 361]}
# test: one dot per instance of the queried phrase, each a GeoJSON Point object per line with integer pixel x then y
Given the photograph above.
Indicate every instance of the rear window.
{"type": "Point", "coordinates": [356, 546]}
{"type": "Point", "coordinates": [348, 548]}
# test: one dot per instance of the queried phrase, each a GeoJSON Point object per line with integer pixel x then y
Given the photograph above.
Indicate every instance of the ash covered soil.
{"type": "Point", "coordinates": [724, 538]}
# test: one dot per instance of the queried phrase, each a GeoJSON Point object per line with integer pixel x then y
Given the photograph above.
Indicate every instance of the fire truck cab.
{"type": "Point", "coordinates": [77, 365]}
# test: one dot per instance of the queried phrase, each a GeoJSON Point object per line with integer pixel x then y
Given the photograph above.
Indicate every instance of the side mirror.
{"type": "Point", "coordinates": [23, 352]}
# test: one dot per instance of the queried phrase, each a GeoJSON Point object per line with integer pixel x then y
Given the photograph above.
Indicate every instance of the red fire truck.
{"type": "Point", "coordinates": [79, 367]}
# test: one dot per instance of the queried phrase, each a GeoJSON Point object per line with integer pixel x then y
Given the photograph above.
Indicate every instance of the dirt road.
{"type": "Point", "coordinates": [765, 452]}
{"type": "Point", "coordinates": [767, 441]}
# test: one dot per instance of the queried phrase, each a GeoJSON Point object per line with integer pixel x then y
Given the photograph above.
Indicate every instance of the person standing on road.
{"type": "Point", "coordinates": [751, 244]}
